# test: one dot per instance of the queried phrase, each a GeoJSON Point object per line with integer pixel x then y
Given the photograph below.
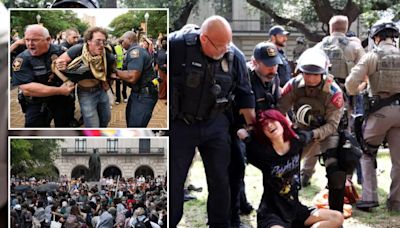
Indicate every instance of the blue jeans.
{"type": "Point", "coordinates": [139, 109]}
{"type": "Point", "coordinates": [95, 107]}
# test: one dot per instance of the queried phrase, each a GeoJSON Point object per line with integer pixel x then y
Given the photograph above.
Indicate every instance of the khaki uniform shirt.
{"type": "Point", "coordinates": [367, 66]}
{"type": "Point", "coordinates": [328, 93]}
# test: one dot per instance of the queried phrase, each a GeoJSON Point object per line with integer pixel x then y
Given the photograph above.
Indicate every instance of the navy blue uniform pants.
{"type": "Point", "coordinates": [213, 142]}
{"type": "Point", "coordinates": [236, 176]}
{"type": "Point", "coordinates": [140, 108]}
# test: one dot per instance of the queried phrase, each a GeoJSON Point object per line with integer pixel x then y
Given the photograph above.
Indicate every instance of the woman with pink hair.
{"type": "Point", "coordinates": [276, 150]}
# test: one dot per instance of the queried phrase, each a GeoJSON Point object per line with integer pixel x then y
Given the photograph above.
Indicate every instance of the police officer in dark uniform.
{"type": "Point", "coordinates": [72, 38]}
{"type": "Point", "coordinates": [44, 95]}
{"type": "Point", "coordinates": [138, 72]}
{"type": "Point", "coordinates": [279, 36]}
{"type": "Point", "coordinates": [206, 72]}
{"type": "Point", "coordinates": [262, 71]}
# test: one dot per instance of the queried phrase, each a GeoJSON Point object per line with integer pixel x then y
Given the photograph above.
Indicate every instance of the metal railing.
{"type": "Point", "coordinates": [104, 151]}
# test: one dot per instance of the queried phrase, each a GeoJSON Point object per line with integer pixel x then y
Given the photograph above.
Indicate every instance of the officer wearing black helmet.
{"type": "Point", "coordinates": [380, 69]}
{"type": "Point", "coordinates": [207, 73]}
{"type": "Point", "coordinates": [318, 103]}
{"type": "Point", "coordinates": [75, 4]}
{"type": "Point", "coordinates": [262, 70]}
{"type": "Point", "coordinates": [279, 36]}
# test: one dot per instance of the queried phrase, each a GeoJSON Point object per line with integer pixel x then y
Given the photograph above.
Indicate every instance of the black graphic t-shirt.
{"type": "Point", "coordinates": [281, 177]}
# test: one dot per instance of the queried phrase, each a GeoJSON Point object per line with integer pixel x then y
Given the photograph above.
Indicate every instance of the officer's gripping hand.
{"type": "Point", "coordinates": [66, 88]}
{"type": "Point", "coordinates": [243, 135]}
{"type": "Point", "coordinates": [305, 136]}
{"type": "Point", "coordinates": [61, 64]}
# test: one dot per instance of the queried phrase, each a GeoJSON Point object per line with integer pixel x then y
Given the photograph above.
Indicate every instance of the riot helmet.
{"type": "Point", "coordinates": [75, 4]}
{"type": "Point", "coordinates": [384, 30]}
{"type": "Point", "coordinates": [313, 61]}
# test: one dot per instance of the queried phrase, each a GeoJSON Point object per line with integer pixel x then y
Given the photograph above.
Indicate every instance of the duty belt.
{"type": "Point", "coordinates": [36, 100]}
{"type": "Point", "coordinates": [145, 90]}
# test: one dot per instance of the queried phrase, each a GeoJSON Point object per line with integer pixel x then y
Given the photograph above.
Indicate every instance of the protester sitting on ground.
{"type": "Point", "coordinates": [271, 148]}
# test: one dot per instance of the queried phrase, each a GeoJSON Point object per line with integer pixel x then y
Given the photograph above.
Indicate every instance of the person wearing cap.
{"type": "Point", "coordinates": [262, 70]}
{"type": "Point", "coordinates": [207, 74]}
{"type": "Point", "coordinates": [318, 103]}
{"type": "Point", "coordinates": [380, 69]}
{"type": "Point", "coordinates": [279, 36]}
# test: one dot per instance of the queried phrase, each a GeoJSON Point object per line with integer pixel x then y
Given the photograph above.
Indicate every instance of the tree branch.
{"type": "Point", "coordinates": [310, 35]}
{"type": "Point", "coordinates": [181, 20]}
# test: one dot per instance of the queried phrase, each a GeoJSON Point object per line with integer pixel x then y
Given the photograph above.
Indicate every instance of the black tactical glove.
{"type": "Point", "coordinates": [305, 136]}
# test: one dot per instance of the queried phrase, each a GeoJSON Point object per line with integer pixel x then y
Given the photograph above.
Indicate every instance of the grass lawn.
{"type": "Point", "coordinates": [195, 210]}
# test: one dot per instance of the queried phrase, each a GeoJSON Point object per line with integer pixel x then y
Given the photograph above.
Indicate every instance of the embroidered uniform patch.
{"type": "Point", "coordinates": [287, 88]}
{"type": "Point", "coordinates": [17, 64]}
{"type": "Point", "coordinates": [337, 100]}
{"type": "Point", "coordinates": [134, 53]}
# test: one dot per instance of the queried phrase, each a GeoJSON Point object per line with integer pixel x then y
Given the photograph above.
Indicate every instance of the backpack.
{"type": "Point", "coordinates": [334, 49]}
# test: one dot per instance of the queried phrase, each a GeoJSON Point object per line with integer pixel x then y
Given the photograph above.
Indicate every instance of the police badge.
{"type": "Point", "coordinates": [134, 53]}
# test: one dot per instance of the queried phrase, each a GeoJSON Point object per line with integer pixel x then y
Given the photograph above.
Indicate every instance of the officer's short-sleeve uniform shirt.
{"type": "Point", "coordinates": [28, 68]}
{"type": "Point", "coordinates": [137, 58]}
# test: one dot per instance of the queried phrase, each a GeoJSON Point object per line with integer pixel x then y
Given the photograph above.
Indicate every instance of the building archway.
{"type": "Point", "coordinates": [80, 171]}
{"type": "Point", "coordinates": [112, 171]}
{"type": "Point", "coordinates": [144, 170]}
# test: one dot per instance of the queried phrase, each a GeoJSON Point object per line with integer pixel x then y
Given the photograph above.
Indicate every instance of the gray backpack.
{"type": "Point", "coordinates": [334, 49]}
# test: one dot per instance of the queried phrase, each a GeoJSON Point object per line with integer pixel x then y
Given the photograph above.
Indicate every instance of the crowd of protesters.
{"type": "Point", "coordinates": [119, 202]}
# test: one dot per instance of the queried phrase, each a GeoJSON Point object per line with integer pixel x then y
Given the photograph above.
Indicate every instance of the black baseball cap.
{"type": "Point", "coordinates": [277, 29]}
{"type": "Point", "coordinates": [267, 53]}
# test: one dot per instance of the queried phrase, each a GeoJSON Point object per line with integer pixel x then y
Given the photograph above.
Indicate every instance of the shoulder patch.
{"type": "Point", "coordinates": [337, 100]}
{"type": "Point", "coordinates": [134, 53]}
{"type": "Point", "coordinates": [17, 64]}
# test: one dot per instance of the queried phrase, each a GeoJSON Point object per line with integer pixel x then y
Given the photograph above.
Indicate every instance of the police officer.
{"type": "Point", "coordinates": [262, 71]}
{"type": "Point", "coordinates": [318, 103]}
{"type": "Point", "coordinates": [380, 68]}
{"type": "Point", "coordinates": [71, 38]}
{"type": "Point", "coordinates": [343, 52]}
{"type": "Point", "coordinates": [206, 71]}
{"type": "Point", "coordinates": [279, 36]}
{"type": "Point", "coordinates": [138, 72]}
{"type": "Point", "coordinates": [44, 95]}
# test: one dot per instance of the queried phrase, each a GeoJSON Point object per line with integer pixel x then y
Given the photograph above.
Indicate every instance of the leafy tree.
{"type": "Point", "coordinates": [54, 21]}
{"type": "Point", "coordinates": [157, 22]}
{"type": "Point", "coordinates": [33, 157]}
{"type": "Point", "coordinates": [306, 15]}
{"type": "Point", "coordinates": [179, 10]}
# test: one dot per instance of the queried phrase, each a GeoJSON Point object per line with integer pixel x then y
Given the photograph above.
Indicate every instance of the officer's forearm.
{"type": "Point", "coordinates": [249, 115]}
{"type": "Point", "coordinates": [131, 76]}
{"type": "Point", "coordinates": [35, 89]}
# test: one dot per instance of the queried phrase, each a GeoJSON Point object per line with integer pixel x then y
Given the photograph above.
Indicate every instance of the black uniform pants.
{"type": "Point", "coordinates": [41, 114]}
{"type": "Point", "coordinates": [213, 142]}
{"type": "Point", "coordinates": [236, 176]}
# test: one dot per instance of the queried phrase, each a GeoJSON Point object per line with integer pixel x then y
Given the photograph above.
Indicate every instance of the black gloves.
{"type": "Point", "coordinates": [305, 136]}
